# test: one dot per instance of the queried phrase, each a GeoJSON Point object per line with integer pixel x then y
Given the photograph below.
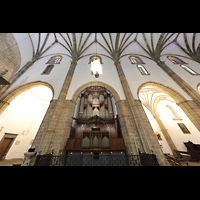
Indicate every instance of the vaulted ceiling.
{"type": "Point", "coordinates": [116, 45]}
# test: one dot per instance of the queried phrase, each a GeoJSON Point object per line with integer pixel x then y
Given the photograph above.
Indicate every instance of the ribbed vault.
{"type": "Point", "coordinates": [116, 45]}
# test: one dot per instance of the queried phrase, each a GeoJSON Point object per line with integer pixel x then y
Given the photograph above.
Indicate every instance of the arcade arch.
{"type": "Point", "coordinates": [168, 116]}
{"type": "Point", "coordinates": [22, 115]}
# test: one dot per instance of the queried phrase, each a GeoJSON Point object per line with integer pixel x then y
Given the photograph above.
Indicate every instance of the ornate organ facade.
{"type": "Point", "coordinates": [96, 127]}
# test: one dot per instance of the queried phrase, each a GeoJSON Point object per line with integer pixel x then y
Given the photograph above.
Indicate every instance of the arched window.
{"type": "Point", "coordinates": [92, 58]}
{"type": "Point", "coordinates": [47, 70]}
{"type": "Point", "coordinates": [176, 115]}
{"type": "Point", "coordinates": [55, 60]}
{"type": "Point", "coordinates": [138, 61]}
{"type": "Point", "coordinates": [175, 60]}
{"type": "Point", "coordinates": [178, 61]}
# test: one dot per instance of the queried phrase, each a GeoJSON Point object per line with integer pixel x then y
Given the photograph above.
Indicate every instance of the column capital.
{"type": "Point", "coordinates": [73, 62]}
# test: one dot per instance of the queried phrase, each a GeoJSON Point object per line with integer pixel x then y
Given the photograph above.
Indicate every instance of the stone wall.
{"type": "Point", "coordinates": [10, 58]}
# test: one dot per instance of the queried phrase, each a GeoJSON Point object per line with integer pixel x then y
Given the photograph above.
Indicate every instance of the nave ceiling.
{"type": "Point", "coordinates": [115, 46]}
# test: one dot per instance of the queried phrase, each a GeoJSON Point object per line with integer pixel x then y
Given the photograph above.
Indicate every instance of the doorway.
{"type": "Point", "coordinates": [6, 143]}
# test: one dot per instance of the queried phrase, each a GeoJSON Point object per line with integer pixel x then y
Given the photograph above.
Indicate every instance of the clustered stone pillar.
{"type": "Point", "coordinates": [140, 131]}
{"type": "Point", "coordinates": [187, 88]}
{"type": "Point", "coordinates": [55, 127]}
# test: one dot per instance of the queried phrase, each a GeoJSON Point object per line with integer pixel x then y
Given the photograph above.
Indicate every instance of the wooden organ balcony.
{"type": "Point", "coordinates": [115, 144]}
{"type": "Point", "coordinates": [95, 134]}
{"type": "Point", "coordinates": [96, 129]}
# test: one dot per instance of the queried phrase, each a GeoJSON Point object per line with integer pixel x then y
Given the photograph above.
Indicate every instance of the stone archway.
{"type": "Point", "coordinates": [179, 98]}
{"type": "Point", "coordinates": [160, 92]}
{"type": "Point", "coordinates": [98, 83]}
{"type": "Point", "coordinates": [122, 110]}
{"type": "Point", "coordinates": [198, 88]}
{"type": "Point", "coordinates": [27, 107]}
{"type": "Point", "coordinates": [7, 98]}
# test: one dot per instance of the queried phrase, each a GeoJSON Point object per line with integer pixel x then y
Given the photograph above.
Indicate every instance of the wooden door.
{"type": "Point", "coordinates": [4, 145]}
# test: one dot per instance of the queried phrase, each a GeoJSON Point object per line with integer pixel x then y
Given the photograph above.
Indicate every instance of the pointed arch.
{"type": "Point", "coordinates": [186, 105]}
{"type": "Point", "coordinates": [165, 89]}
{"type": "Point", "coordinates": [93, 83]}
{"type": "Point", "coordinates": [8, 97]}
{"type": "Point", "coordinates": [198, 88]}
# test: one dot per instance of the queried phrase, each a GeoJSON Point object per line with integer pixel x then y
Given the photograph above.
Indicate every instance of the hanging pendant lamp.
{"type": "Point", "coordinates": [96, 68]}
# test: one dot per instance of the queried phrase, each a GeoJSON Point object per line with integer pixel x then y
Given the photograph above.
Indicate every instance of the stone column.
{"type": "Point", "coordinates": [143, 136]}
{"type": "Point", "coordinates": [166, 134]}
{"type": "Point", "coordinates": [187, 88]}
{"type": "Point", "coordinates": [56, 120]}
{"type": "Point", "coordinates": [191, 108]}
{"type": "Point", "coordinates": [127, 127]}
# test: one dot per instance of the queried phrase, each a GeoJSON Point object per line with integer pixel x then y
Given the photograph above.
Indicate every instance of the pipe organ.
{"type": "Point", "coordinates": [96, 101]}
{"type": "Point", "coordinates": [96, 128]}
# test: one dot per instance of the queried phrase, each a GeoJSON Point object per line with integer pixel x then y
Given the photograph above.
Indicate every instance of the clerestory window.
{"type": "Point", "coordinates": [178, 61]}
{"type": "Point", "coordinates": [139, 63]}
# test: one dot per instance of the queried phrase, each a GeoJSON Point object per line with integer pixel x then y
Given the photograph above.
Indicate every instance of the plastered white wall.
{"type": "Point", "coordinates": [83, 75]}
{"type": "Point", "coordinates": [25, 47]}
{"type": "Point", "coordinates": [23, 117]}
{"type": "Point", "coordinates": [163, 143]}
{"type": "Point", "coordinates": [192, 80]}
{"type": "Point", "coordinates": [55, 78]}
{"type": "Point", "coordinates": [136, 79]}
{"type": "Point", "coordinates": [176, 134]}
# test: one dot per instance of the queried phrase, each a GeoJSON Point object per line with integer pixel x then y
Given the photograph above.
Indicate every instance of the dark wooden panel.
{"type": "Point", "coordinates": [121, 143]}
{"type": "Point", "coordinates": [73, 144]}
{"type": "Point", "coordinates": [70, 144]}
{"type": "Point", "coordinates": [4, 145]}
{"type": "Point", "coordinates": [117, 144]}
{"type": "Point", "coordinates": [77, 144]}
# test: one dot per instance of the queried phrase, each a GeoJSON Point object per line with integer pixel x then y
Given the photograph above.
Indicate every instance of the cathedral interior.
{"type": "Point", "coordinates": [99, 99]}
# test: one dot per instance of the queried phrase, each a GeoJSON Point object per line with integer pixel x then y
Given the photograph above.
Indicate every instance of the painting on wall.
{"type": "Point", "coordinates": [183, 128]}
{"type": "Point", "coordinates": [158, 136]}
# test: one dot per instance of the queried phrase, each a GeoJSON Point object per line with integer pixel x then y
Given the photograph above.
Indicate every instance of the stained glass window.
{"type": "Point", "coordinates": [93, 58]}
{"type": "Point", "coordinates": [175, 60]}
{"type": "Point", "coordinates": [136, 60]}
{"type": "Point", "coordinates": [55, 60]}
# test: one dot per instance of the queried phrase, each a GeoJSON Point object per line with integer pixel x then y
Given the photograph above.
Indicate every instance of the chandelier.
{"type": "Point", "coordinates": [96, 68]}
